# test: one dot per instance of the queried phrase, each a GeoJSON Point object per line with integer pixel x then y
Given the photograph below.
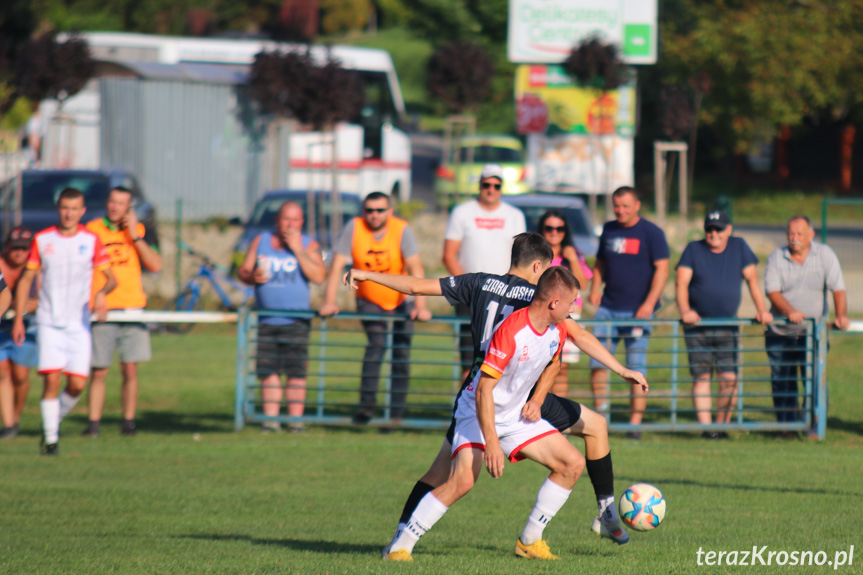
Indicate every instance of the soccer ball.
{"type": "Point", "coordinates": [642, 507]}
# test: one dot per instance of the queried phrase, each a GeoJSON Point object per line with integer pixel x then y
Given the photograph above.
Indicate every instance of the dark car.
{"type": "Point", "coordinates": [263, 217]}
{"type": "Point", "coordinates": [577, 216]}
{"type": "Point", "coordinates": [40, 189]}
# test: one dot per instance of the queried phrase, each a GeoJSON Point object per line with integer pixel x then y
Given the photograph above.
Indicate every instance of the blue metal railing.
{"type": "Point", "coordinates": [335, 355]}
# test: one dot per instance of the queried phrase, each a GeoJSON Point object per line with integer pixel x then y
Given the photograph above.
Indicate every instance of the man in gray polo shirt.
{"type": "Point", "coordinates": [796, 280]}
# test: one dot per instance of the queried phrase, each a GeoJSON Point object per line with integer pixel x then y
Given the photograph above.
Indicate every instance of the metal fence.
{"type": "Point", "coordinates": [336, 353]}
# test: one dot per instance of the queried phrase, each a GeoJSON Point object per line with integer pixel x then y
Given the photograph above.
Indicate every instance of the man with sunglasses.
{"type": "Point", "coordinates": [15, 360]}
{"type": "Point", "coordinates": [708, 286]}
{"type": "Point", "coordinates": [380, 242]}
{"type": "Point", "coordinates": [479, 238]}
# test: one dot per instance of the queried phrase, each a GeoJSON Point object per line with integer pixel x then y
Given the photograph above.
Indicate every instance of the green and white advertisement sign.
{"type": "Point", "coordinates": [544, 31]}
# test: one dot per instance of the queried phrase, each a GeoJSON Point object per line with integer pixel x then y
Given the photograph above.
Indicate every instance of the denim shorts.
{"type": "Point", "coordinates": [26, 354]}
{"type": "Point", "coordinates": [634, 339]}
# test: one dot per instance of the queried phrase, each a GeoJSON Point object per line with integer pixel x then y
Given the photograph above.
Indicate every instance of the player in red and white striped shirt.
{"type": "Point", "coordinates": [494, 416]}
{"type": "Point", "coordinates": [66, 255]}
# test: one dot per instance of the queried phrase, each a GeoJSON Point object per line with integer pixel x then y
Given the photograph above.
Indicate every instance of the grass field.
{"type": "Point", "coordinates": [189, 495]}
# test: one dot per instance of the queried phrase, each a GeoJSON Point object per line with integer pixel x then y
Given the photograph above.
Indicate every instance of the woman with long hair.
{"type": "Point", "coordinates": [555, 229]}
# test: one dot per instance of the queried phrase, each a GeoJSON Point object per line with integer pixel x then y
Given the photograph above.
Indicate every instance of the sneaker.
{"type": "Point", "coordinates": [710, 435]}
{"type": "Point", "coordinates": [92, 429]}
{"type": "Point", "coordinates": [270, 427]}
{"type": "Point", "coordinates": [296, 428]}
{"type": "Point", "coordinates": [610, 529]}
{"type": "Point", "coordinates": [49, 448]}
{"type": "Point", "coordinates": [9, 432]}
{"type": "Point", "coordinates": [400, 555]}
{"type": "Point", "coordinates": [361, 418]}
{"type": "Point", "coordinates": [636, 435]}
{"type": "Point", "coordinates": [128, 428]}
{"type": "Point", "coordinates": [538, 550]}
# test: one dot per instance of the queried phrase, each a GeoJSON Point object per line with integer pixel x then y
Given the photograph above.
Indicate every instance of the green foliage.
{"type": "Point", "coordinates": [459, 75]}
{"type": "Point", "coordinates": [771, 62]}
{"type": "Point", "coordinates": [17, 115]}
{"type": "Point", "coordinates": [344, 15]}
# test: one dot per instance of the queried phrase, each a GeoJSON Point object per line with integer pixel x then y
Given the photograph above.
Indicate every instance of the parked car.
{"type": "Point", "coordinates": [40, 189]}
{"type": "Point", "coordinates": [473, 154]}
{"type": "Point", "coordinates": [263, 217]}
{"type": "Point", "coordinates": [577, 216]}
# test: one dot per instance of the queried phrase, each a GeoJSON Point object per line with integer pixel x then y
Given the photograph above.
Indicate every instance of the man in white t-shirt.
{"type": "Point", "coordinates": [495, 419]}
{"type": "Point", "coordinates": [479, 238]}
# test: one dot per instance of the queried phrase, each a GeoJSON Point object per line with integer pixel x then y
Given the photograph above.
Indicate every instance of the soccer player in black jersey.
{"type": "Point", "coordinates": [491, 299]}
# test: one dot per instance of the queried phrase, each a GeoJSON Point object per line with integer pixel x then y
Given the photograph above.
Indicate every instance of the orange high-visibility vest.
{"type": "Point", "coordinates": [384, 256]}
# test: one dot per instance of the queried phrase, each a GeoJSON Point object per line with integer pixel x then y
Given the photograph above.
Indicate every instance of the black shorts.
{"type": "Point", "coordinates": [562, 413]}
{"type": "Point", "coordinates": [711, 347]}
{"type": "Point", "coordinates": [283, 350]}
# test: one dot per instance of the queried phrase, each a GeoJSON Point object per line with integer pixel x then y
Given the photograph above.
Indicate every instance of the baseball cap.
{"type": "Point", "coordinates": [491, 171]}
{"type": "Point", "coordinates": [19, 237]}
{"type": "Point", "coordinates": [716, 219]}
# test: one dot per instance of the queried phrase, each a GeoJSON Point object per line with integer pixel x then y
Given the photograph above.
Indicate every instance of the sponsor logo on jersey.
{"type": "Point", "coordinates": [525, 355]}
{"type": "Point", "coordinates": [553, 346]}
{"type": "Point", "coordinates": [497, 353]}
{"type": "Point", "coordinates": [451, 281]}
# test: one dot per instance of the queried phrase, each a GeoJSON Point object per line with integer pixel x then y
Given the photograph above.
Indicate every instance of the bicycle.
{"type": "Point", "coordinates": [189, 298]}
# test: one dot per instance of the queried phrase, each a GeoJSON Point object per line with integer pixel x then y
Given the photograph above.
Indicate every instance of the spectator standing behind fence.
{"type": "Point", "coordinates": [797, 279]}
{"type": "Point", "coordinates": [478, 238]}
{"type": "Point", "coordinates": [15, 360]}
{"type": "Point", "coordinates": [380, 242]}
{"type": "Point", "coordinates": [67, 255]}
{"type": "Point", "coordinates": [555, 229]}
{"type": "Point", "coordinates": [280, 265]}
{"type": "Point", "coordinates": [632, 265]}
{"type": "Point", "coordinates": [708, 286]}
{"type": "Point", "coordinates": [125, 240]}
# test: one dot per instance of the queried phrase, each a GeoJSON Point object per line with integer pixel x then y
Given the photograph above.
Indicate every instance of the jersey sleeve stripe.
{"type": "Point", "coordinates": [491, 371]}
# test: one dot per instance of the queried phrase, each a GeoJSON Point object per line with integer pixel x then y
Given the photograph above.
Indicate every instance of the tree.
{"type": "Point", "coordinates": [344, 15]}
{"type": "Point", "coordinates": [594, 64]}
{"type": "Point", "coordinates": [50, 69]}
{"type": "Point", "coordinates": [292, 84]}
{"type": "Point", "coordinates": [459, 75]}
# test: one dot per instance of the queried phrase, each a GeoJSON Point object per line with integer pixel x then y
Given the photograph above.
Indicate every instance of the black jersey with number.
{"type": "Point", "coordinates": [491, 299]}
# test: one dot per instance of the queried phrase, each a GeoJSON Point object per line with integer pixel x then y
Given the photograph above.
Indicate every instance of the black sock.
{"type": "Point", "coordinates": [419, 491]}
{"type": "Point", "coordinates": [602, 476]}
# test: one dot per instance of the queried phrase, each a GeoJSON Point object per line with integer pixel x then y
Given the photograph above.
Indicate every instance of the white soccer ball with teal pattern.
{"type": "Point", "coordinates": [642, 507]}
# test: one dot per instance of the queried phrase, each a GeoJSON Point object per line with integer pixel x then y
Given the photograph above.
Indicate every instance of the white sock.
{"type": "Point", "coordinates": [427, 513]}
{"type": "Point", "coordinates": [67, 402]}
{"type": "Point", "coordinates": [549, 500]}
{"type": "Point", "coordinates": [398, 533]}
{"type": "Point", "coordinates": [607, 509]}
{"type": "Point", "coordinates": [50, 419]}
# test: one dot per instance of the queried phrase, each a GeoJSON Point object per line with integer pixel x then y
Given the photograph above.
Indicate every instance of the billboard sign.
{"type": "Point", "coordinates": [548, 92]}
{"type": "Point", "coordinates": [545, 31]}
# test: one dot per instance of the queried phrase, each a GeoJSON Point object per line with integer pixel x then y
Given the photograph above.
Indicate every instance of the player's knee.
{"type": "Point", "coordinates": [75, 388]}
{"type": "Point", "coordinates": [571, 465]}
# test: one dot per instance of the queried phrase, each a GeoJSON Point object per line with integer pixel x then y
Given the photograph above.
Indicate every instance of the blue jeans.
{"type": "Point", "coordinates": [787, 355]}
{"type": "Point", "coordinates": [610, 336]}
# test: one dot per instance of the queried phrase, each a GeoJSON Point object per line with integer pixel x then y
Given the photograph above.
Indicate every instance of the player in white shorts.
{"type": "Point", "coordinates": [494, 419]}
{"type": "Point", "coordinates": [67, 255]}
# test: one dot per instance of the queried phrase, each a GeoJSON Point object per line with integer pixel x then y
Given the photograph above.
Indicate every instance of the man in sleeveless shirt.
{"type": "Point", "coordinates": [280, 264]}
{"type": "Point", "coordinates": [379, 242]}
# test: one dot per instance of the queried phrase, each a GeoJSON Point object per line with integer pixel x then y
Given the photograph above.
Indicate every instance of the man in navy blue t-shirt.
{"type": "Point", "coordinates": [632, 263]}
{"type": "Point", "coordinates": [708, 286]}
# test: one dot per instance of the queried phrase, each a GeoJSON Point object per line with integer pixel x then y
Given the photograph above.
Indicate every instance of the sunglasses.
{"type": "Point", "coordinates": [487, 185]}
{"type": "Point", "coordinates": [717, 230]}
{"type": "Point", "coordinates": [558, 229]}
{"type": "Point", "coordinates": [375, 210]}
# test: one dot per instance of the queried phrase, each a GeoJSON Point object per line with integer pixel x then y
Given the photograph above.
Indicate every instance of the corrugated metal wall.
{"type": "Point", "coordinates": [187, 140]}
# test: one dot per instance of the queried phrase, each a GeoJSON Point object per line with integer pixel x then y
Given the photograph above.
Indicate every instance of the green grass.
{"type": "Point", "coordinates": [189, 495]}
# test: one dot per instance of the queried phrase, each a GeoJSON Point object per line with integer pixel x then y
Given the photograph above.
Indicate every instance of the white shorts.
{"type": "Point", "coordinates": [64, 350]}
{"type": "Point", "coordinates": [513, 437]}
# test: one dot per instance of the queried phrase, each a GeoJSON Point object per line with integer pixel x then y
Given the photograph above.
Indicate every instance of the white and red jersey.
{"type": "Point", "coordinates": [517, 356]}
{"type": "Point", "coordinates": [67, 264]}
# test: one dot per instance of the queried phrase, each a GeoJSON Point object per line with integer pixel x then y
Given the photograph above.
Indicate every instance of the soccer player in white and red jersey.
{"type": "Point", "coordinates": [67, 256]}
{"type": "Point", "coordinates": [495, 416]}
